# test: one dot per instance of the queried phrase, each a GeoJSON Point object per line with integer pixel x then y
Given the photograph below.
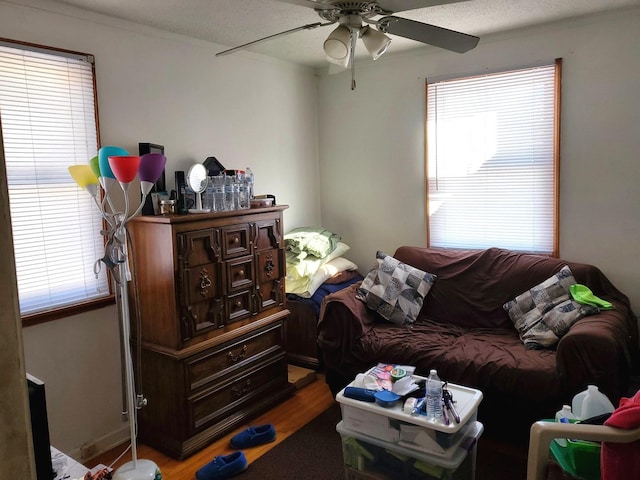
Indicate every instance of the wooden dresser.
{"type": "Point", "coordinates": [211, 305]}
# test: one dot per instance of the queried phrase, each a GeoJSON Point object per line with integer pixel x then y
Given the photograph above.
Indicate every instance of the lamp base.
{"type": "Point", "coordinates": [140, 470]}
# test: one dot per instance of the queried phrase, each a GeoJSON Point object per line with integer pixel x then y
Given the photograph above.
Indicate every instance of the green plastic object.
{"type": "Point", "coordinates": [582, 294]}
{"type": "Point", "coordinates": [579, 458]}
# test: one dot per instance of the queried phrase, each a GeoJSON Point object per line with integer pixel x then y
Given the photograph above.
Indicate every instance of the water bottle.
{"type": "Point", "coordinates": [564, 416]}
{"type": "Point", "coordinates": [591, 403]}
{"type": "Point", "coordinates": [434, 396]}
{"type": "Point", "coordinates": [248, 175]}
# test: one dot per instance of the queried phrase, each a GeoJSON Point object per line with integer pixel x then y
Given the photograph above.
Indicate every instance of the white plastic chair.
{"type": "Point", "coordinates": [542, 433]}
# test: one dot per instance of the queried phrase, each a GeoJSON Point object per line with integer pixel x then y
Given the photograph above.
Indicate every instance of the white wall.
{"type": "Point", "coordinates": [245, 109]}
{"type": "Point", "coordinates": [372, 141]}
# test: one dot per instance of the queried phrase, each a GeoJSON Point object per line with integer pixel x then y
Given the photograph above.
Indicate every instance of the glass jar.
{"type": "Point", "coordinates": [167, 207]}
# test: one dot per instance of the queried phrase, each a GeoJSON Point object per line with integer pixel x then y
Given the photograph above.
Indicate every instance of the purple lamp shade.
{"type": "Point", "coordinates": [125, 168]}
{"type": "Point", "coordinates": [103, 159]}
{"type": "Point", "coordinates": [151, 167]}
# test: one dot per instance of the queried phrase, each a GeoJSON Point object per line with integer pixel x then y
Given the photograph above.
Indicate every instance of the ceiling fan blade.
{"type": "Point", "coordinates": [309, 26]}
{"type": "Point", "coordinates": [317, 5]}
{"type": "Point", "coordinates": [404, 5]}
{"type": "Point", "coordinates": [429, 34]}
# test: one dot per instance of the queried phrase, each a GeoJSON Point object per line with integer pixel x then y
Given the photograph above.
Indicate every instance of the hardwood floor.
{"type": "Point", "coordinates": [291, 415]}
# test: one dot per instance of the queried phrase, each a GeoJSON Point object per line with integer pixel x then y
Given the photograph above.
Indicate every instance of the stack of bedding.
{"type": "Point", "coordinates": [316, 265]}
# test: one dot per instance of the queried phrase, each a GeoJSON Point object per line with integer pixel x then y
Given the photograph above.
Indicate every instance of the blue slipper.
{"type": "Point", "coordinates": [253, 436]}
{"type": "Point", "coordinates": [223, 467]}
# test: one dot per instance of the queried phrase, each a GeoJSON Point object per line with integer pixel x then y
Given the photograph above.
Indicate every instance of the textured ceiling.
{"type": "Point", "coordinates": [235, 22]}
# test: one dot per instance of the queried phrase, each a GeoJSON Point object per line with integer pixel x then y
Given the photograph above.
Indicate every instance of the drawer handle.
{"type": "Point", "coordinates": [268, 267]}
{"type": "Point", "coordinates": [205, 282]}
{"type": "Point", "coordinates": [238, 304]}
{"type": "Point", "coordinates": [239, 356]}
{"type": "Point", "coordinates": [236, 240]}
{"type": "Point", "coordinates": [241, 273]}
{"type": "Point", "coordinates": [241, 390]}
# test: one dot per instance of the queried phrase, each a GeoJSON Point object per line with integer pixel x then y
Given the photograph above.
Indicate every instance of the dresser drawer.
{"type": "Point", "coordinates": [239, 274]}
{"type": "Point", "coordinates": [236, 241]}
{"type": "Point", "coordinates": [230, 396]}
{"type": "Point", "coordinates": [220, 362]}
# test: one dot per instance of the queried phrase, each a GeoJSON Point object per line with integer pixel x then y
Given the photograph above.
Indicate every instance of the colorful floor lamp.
{"type": "Point", "coordinates": [111, 164]}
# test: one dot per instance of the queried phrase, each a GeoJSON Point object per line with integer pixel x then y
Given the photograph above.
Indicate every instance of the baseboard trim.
{"type": "Point", "coordinates": [101, 445]}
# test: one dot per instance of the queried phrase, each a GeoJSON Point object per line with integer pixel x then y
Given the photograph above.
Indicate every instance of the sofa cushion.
{"type": "Point", "coordinates": [395, 290]}
{"type": "Point", "coordinates": [545, 312]}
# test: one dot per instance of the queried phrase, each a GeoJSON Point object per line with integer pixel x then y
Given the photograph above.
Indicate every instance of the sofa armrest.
{"type": "Point", "coordinates": [343, 321]}
{"type": "Point", "coordinates": [595, 351]}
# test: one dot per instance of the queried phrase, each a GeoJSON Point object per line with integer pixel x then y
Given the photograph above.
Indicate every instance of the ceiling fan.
{"type": "Point", "coordinates": [357, 19]}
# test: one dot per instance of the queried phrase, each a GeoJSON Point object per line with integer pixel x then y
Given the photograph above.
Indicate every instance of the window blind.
{"type": "Point", "coordinates": [491, 162]}
{"type": "Point", "coordinates": [47, 108]}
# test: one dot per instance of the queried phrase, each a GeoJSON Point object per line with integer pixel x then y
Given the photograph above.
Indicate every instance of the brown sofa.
{"type": "Point", "coordinates": [464, 332]}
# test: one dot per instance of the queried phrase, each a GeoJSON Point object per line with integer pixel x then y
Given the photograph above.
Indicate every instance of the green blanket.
{"type": "Point", "coordinates": [304, 241]}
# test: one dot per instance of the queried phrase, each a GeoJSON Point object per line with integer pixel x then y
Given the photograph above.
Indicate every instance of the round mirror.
{"type": "Point", "coordinates": [197, 181]}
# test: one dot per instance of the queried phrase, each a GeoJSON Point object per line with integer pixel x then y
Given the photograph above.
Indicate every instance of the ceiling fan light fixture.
{"type": "Point", "coordinates": [375, 41]}
{"type": "Point", "coordinates": [337, 44]}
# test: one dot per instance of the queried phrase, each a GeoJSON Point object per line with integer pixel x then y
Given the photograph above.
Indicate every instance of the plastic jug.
{"type": "Point", "coordinates": [564, 416]}
{"type": "Point", "coordinates": [591, 403]}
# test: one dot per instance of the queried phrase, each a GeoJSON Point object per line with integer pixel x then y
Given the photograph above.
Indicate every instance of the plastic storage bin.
{"type": "Point", "coordinates": [368, 458]}
{"type": "Point", "coordinates": [417, 432]}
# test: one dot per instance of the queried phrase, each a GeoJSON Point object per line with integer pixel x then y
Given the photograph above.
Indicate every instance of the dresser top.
{"type": "Point", "coordinates": [189, 217]}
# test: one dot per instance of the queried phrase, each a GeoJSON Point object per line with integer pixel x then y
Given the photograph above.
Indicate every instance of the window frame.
{"type": "Point", "coordinates": [557, 64]}
{"type": "Point", "coordinates": [55, 313]}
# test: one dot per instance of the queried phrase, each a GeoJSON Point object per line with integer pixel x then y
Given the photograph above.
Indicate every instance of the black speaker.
{"type": "Point", "coordinates": [180, 192]}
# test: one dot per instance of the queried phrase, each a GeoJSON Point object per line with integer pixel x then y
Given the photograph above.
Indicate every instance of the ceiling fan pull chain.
{"type": "Point", "coordinates": [354, 41]}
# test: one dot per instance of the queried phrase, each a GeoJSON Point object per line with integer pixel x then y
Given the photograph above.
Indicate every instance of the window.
{"type": "Point", "coordinates": [492, 160]}
{"type": "Point", "coordinates": [48, 114]}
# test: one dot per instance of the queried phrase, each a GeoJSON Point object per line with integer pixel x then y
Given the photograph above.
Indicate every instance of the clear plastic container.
{"type": "Point", "coordinates": [565, 415]}
{"type": "Point", "coordinates": [591, 403]}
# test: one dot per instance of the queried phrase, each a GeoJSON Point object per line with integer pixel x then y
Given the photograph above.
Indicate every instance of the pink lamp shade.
{"type": "Point", "coordinates": [124, 168]}
{"type": "Point", "coordinates": [151, 167]}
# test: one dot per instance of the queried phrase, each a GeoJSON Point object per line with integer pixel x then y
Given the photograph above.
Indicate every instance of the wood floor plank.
{"type": "Point", "coordinates": [288, 417]}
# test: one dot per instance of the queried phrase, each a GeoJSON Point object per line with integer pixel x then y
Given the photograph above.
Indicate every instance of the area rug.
{"type": "Point", "coordinates": [315, 453]}
{"type": "Point", "coordinates": [312, 453]}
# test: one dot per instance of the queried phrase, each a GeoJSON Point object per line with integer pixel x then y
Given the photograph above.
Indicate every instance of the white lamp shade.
{"type": "Point", "coordinates": [337, 44]}
{"type": "Point", "coordinates": [375, 41]}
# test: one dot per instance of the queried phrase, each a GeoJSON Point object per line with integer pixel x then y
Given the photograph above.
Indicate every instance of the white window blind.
{"type": "Point", "coordinates": [47, 108]}
{"type": "Point", "coordinates": [491, 161]}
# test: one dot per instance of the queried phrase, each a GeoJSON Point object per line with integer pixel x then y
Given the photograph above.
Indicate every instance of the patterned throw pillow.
{"type": "Point", "coordinates": [395, 290]}
{"type": "Point", "coordinates": [545, 313]}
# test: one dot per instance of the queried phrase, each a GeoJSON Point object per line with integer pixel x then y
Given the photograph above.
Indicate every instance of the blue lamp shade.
{"type": "Point", "coordinates": [151, 167]}
{"type": "Point", "coordinates": [103, 159]}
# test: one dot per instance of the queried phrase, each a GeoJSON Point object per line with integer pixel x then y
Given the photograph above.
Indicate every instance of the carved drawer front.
{"type": "Point", "coordinates": [222, 361]}
{"type": "Point", "coordinates": [240, 274]}
{"type": "Point", "coordinates": [221, 401]}
{"type": "Point", "coordinates": [200, 283]}
{"type": "Point", "coordinates": [268, 235]}
{"type": "Point", "coordinates": [239, 305]}
{"type": "Point", "coordinates": [236, 241]}
{"type": "Point", "coordinates": [269, 270]}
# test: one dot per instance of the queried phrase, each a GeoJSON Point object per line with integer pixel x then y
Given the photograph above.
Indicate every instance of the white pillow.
{"type": "Point", "coordinates": [327, 271]}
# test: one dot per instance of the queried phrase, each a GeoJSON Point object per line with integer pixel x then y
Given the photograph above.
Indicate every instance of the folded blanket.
{"type": "Point", "coordinates": [622, 460]}
{"type": "Point", "coordinates": [306, 268]}
{"type": "Point", "coordinates": [306, 286]}
{"type": "Point", "coordinates": [304, 241]}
